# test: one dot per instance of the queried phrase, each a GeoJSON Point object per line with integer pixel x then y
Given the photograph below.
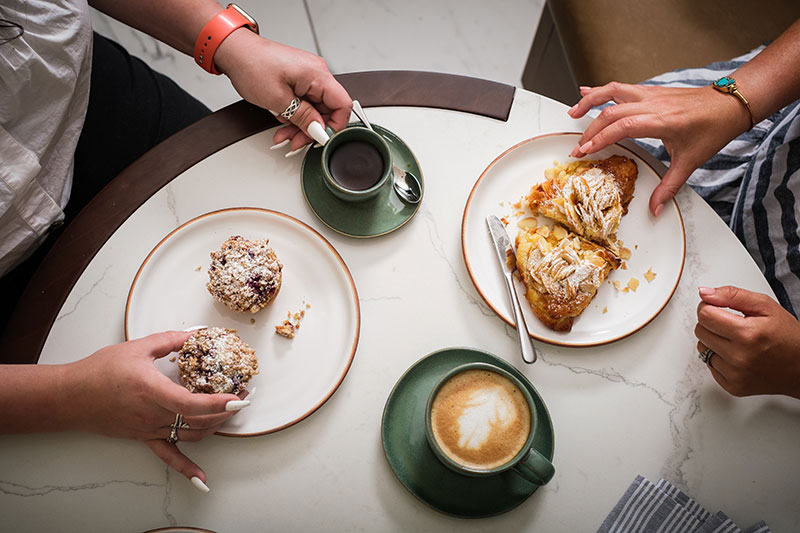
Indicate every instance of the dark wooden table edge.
{"type": "Point", "coordinates": [72, 252]}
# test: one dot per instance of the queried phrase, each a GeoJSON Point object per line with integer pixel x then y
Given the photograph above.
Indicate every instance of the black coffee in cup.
{"type": "Point", "coordinates": [356, 165]}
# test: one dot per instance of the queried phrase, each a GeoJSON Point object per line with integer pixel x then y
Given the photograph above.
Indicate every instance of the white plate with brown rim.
{"type": "Point", "coordinates": [296, 376]}
{"type": "Point", "coordinates": [658, 245]}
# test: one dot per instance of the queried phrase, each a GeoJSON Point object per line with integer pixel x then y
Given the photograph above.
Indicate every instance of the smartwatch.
{"type": "Point", "coordinates": [217, 30]}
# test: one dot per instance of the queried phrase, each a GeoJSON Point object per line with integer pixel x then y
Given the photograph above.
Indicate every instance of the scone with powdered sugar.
{"type": "Point", "coordinates": [216, 360]}
{"type": "Point", "coordinates": [244, 275]}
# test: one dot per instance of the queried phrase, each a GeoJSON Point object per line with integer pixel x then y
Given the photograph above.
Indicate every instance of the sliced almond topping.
{"type": "Point", "coordinates": [559, 232]}
{"type": "Point", "coordinates": [649, 275]}
{"type": "Point", "coordinates": [528, 223]}
{"type": "Point", "coordinates": [633, 284]}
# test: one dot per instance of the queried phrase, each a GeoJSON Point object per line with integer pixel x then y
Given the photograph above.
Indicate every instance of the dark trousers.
{"type": "Point", "coordinates": [131, 109]}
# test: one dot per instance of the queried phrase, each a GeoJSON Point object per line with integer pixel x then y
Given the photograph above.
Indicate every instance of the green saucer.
{"type": "Point", "coordinates": [409, 455]}
{"type": "Point", "coordinates": [377, 216]}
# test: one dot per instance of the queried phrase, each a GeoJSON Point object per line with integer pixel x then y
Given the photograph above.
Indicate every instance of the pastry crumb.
{"type": "Point", "coordinates": [633, 284]}
{"type": "Point", "coordinates": [649, 275]}
{"type": "Point", "coordinates": [605, 310]}
{"type": "Point", "coordinates": [286, 329]}
{"type": "Point", "coordinates": [173, 359]}
{"type": "Point", "coordinates": [252, 320]}
{"type": "Point", "coordinates": [198, 269]}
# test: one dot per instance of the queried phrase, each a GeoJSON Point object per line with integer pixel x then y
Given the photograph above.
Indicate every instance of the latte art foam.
{"type": "Point", "coordinates": [480, 419]}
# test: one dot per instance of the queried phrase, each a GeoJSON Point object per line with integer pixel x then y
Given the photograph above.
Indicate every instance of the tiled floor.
{"type": "Point", "coordinates": [471, 37]}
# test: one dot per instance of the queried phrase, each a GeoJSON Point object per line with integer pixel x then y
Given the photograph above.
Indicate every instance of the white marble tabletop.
{"type": "Point", "coordinates": [642, 405]}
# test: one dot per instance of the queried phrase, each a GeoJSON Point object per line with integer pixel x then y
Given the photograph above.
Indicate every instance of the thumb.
{"type": "Point", "coordinates": [747, 302]}
{"type": "Point", "coordinates": [160, 344]}
{"type": "Point", "coordinates": [670, 184]}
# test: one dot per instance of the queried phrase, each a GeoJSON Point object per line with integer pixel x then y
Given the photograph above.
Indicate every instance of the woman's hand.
{"type": "Point", "coordinates": [758, 353]}
{"type": "Point", "coordinates": [693, 123]}
{"type": "Point", "coordinates": [118, 391]}
{"type": "Point", "coordinates": [270, 74]}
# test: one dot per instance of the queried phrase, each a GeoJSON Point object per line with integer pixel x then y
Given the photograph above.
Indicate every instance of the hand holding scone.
{"type": "Point", "coordinates": [693, 123]}
{"type": "Point", "coordinates": [758, 353]}
{"type": "Point", "coordinates": [117, 391]}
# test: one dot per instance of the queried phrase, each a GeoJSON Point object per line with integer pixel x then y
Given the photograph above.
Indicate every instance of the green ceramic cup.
{"type": "Point", "coordinates": [356, 164]}
{"type": "Point", "coordinates": [480, 421]}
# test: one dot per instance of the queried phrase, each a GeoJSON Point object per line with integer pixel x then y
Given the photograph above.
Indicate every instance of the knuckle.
{"type": "Point", "coordinates": [304, 115]}
{"type": "Point", "coordinates": [609, 113]}
{"type": "Point", "coordinates": [628, 123]}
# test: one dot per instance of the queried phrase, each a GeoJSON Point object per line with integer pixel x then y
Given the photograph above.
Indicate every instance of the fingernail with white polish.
{"type": "Point", "coordinates": [252, 392]}
{"type": "Point", "coordinates": [236, 405]}
{"type": "Point", "coordinates": [197, 482]}
{"type": "Point", "coordinates": [279, 145]}
{"type": "Point", "coordinates": [295, 152]}
{"type": "Point", "coordinates": [318, 133]}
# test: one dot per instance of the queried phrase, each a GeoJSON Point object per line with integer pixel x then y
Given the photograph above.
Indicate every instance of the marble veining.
{"type": "Point", "coordinates": [438, 248]}
{"type": "Point", "coordinates": [76, 301]}
{"type": "Point", "coordinates": [8, 488]}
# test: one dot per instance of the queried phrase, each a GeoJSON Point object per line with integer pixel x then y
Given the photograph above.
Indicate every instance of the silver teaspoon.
{"type": "Point", "coordinates": [406, 184]}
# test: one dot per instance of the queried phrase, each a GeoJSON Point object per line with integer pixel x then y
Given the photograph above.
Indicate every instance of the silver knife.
{"type": "Point", "coordinates": [502, 245]}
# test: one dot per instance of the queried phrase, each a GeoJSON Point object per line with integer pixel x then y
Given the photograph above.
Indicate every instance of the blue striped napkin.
{"type": "Point", "coordinates": [661, 507]}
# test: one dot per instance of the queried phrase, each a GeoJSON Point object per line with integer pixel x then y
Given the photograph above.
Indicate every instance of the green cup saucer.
{"type": "Point", "coordinates": [377, 216]}
{"type": "Point", "coordinates": [407, 450]}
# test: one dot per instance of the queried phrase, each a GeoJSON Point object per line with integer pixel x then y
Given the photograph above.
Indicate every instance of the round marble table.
{"type": "Point", "coordinates": [641, 405]}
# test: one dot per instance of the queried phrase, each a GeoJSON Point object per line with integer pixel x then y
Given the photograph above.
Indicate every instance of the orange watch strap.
{"type": "Point", "coordinates": [216, 31]}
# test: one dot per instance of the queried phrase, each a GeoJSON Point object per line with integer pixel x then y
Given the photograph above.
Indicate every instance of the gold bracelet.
{"type": "Point", "coordinates": [726, 84]}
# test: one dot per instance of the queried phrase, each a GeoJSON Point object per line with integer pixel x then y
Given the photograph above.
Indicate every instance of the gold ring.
{"type": "Point", "coordinates": [291, 109]}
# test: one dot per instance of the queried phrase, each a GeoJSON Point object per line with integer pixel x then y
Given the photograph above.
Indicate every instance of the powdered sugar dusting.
{"type": "Point", "coordinates": [562, 271]}
{"type": "Point", "coordinates": [244, 275]}
{"type": "Point", "coordinates": [216, 360]}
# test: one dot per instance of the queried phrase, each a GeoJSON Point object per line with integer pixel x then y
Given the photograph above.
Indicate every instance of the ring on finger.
{"type": "Point", "coordinates": [291, 109]}
{"type": "Point", "coordinates": [705, 356]}
{"type": "Point", "coordinates": [174, 427]}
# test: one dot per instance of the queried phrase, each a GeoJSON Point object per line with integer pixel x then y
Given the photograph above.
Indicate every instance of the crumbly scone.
{"type": "Point", "coordinates": [561, 272]}
{"type": "Point", "coordinates": [216, 360]}
{"type": "Point", "coordinates": [244, 275]}
{"type": "Point", "coordinates": [588, 197]}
